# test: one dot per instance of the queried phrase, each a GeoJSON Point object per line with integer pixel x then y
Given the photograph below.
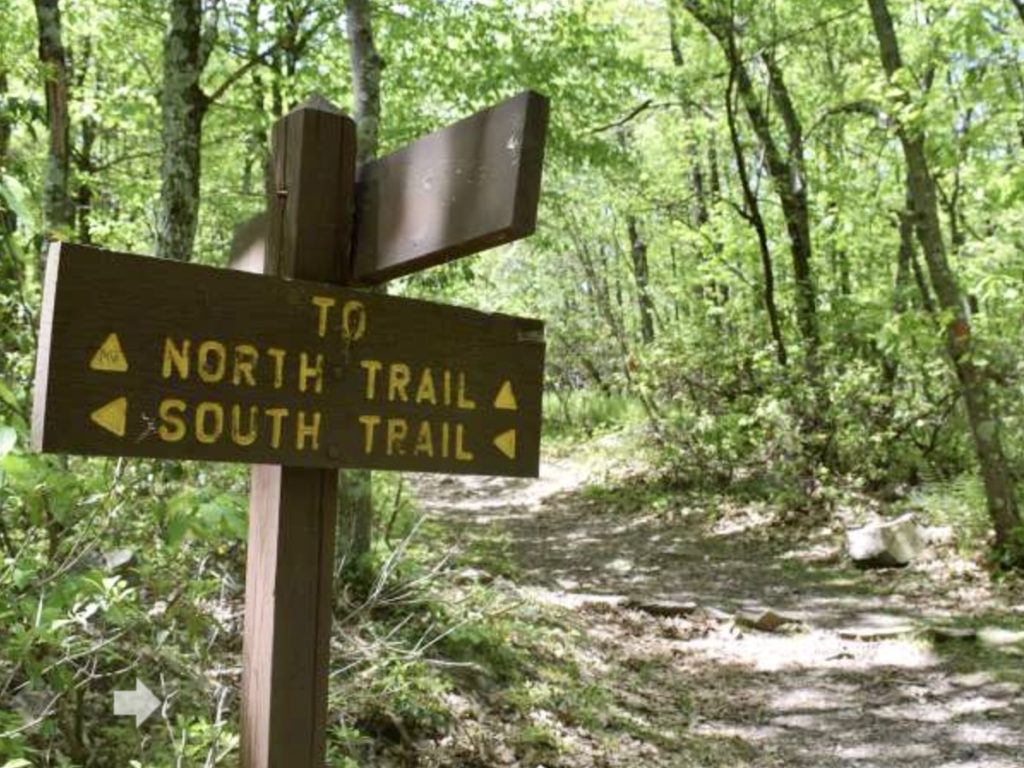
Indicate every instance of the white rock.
{"type": "Point", "coordinates": [891, 544]}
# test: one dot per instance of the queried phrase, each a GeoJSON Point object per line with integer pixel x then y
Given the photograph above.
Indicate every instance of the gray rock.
{"type": "Point", "coordinates": [891, 544]}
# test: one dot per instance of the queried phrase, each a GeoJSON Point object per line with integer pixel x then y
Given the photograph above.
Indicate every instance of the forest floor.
{"type": "Point", "coordinates": [863, 675]}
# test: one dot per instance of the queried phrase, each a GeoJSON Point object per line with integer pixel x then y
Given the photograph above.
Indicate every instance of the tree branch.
{"type": "Point", "coordinates": [238, 74]}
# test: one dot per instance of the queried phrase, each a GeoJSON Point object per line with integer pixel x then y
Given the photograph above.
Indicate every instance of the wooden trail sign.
{"type": "Point", "coordinates": [142, 357]}
{"type": "Point", "coordinates": [191, 362]}
{"type": "Point", "coordinates": [465, 188]}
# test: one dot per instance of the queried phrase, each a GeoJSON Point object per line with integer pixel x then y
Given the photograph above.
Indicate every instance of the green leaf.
{"type": "Point", "coordinates": [18, 762]}
{"type": "Point", "coordinates": [14, 196]}
{"type": "Point", "coordinates": [7, 396]}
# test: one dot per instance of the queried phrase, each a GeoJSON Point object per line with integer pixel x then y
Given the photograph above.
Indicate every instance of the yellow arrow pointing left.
{"type": "Point", "coordinates": [506, 443]}
{"type": "Point", "coordinates": [113, 416]}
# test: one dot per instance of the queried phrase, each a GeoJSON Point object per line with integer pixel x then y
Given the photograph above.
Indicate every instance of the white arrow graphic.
{"type": "Point", "coordinates": [140, 703]}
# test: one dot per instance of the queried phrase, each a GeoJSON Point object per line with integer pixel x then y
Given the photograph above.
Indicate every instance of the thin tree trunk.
{"type": "Point", "coordinates": [904, 260]}
{"type": "Point", "coordinates": [595, 374]}
{"type": "Point", "coordinates": [756, 221]}
{"type": "Point", "coordinates": [600, 291]}
{"type": "Point", "coordinates": [909, 252]}
{"type": "Point", "coordinates": [183, 105]}
{"type": "Point", "coordinates": [788, 179]}
{"type": "Point", "coordinates": [355, 493]}
{"type": "Point", "coordinates": [84, 156]}
{"type": "Point", "coordinates": [57, 207]}
{"type": "Point", "coordinates": [978, 398]}
{"type": "Point", "coordinates": [700, 210]}
{"type": "Point", "coordinates": [641, 274]}
{"type": "Point", "coordinates": [257, 157]}
{"type": "Point", "coordinates": [8, 219]}
{"type": "Point", "coordinates": [84, 197]}
{"type": "Point", "coordinates": [366, 68]}
{"type": "Point", "coordinates": [6, 123]}
{"type": "Point", "coordinates": [792, 192]}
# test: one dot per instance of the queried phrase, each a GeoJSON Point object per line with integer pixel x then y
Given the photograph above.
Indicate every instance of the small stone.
{"type": "Point", "coordinates": [890, 544]}
{"type": "Point", "coordinates": [765, 621]}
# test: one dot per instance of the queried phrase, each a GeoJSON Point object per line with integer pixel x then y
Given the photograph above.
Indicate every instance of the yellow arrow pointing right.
{"type": "Point", "coordinates": [506, 443]}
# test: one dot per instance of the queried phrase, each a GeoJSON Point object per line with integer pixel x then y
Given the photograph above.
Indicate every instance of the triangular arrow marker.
{"type": "Point", "coordinates": [506, 398]}
{"type": "Point", "coordinates": [506, 443]}
{"type": "Point", "coordinates": [140, 703]}
{"type": "Point", "coordinates": [110, 356]}
{"type": "Point", "coordinates": [113, 416]}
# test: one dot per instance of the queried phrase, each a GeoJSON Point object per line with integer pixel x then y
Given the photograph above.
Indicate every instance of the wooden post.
{"type": "Point", "coordinates": [292, 511]}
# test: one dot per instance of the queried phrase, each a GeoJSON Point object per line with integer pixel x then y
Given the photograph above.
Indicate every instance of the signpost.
{"type": "Point", "coordinates": [182, 361]}
{"type": "Point", "coordinates": [298, 376]}
{"type": "Point", "coordinates": [460, 190]}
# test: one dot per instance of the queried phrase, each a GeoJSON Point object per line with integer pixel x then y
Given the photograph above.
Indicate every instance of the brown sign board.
{"type": "Point", "coordinates": [470, 186]}
{"type": "Point", "coordinates": [146, 357]}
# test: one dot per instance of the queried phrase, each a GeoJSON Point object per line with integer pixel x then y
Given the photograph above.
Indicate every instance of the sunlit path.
{"type": "Point", "coordinates": [855, 681]}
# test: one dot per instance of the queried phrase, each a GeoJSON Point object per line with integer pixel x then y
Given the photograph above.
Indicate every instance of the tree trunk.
{"type": "Point", "coordinates": [1019, 6]}
{"type": "Point", "coordinates": [183, 105]}
{"type": "Point", "coordinates": [84, 197]}
{"type": "Point", "coordinates": [366, 68]}
{"type": "Point", "coordinates": [788, 179]}
{"type": "Point", "coordinates": [6, 123]}
{"type": "Point", "coordinates": [978, 398]}
{"type": "Point", "coordinates": [756, 221]}
{"type": "Point", "coordinates": [84, 163]}
{"type": "Point", "coordinates": [641, 274]}
{"type": "Point", "coordinates": [57, 207]}
{"type": "Point", "coordinates": [8, 219]}
{"type": "Point", "coordinates": [900, 295]}
{"type": "Point", "coordinates": [356, 490]}
{"type": "Point", "coordinates": [257, 157]}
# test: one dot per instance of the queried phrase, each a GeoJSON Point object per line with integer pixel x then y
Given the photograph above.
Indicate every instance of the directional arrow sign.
{"type": "Point", "coordinates": [460, 190]}
{"type": "Point", "coordinates": [185, 361]}
{"type": "Point", "coordinates": [140, 703]}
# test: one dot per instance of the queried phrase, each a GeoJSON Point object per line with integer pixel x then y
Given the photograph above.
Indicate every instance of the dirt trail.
{"type": "Point", "coordinates": [701, 690]}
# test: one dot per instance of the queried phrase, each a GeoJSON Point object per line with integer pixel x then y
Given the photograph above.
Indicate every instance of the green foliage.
{"type": "Point", "coordinates": [110, 569]}
{"type": "Point", "coordinates": [959, 503]}
{"type": "Point", "coordinates": [580, 411]}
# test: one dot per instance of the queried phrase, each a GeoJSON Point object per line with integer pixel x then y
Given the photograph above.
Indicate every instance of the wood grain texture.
{"type": "Point", "coordinates": [150, 303]}
{"type": "Point", "coordinates": [292, 510]}
{"type": "Point", "coordinates": [460, 190]}
{"type": "Point", "coordinates": [463, 189]}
